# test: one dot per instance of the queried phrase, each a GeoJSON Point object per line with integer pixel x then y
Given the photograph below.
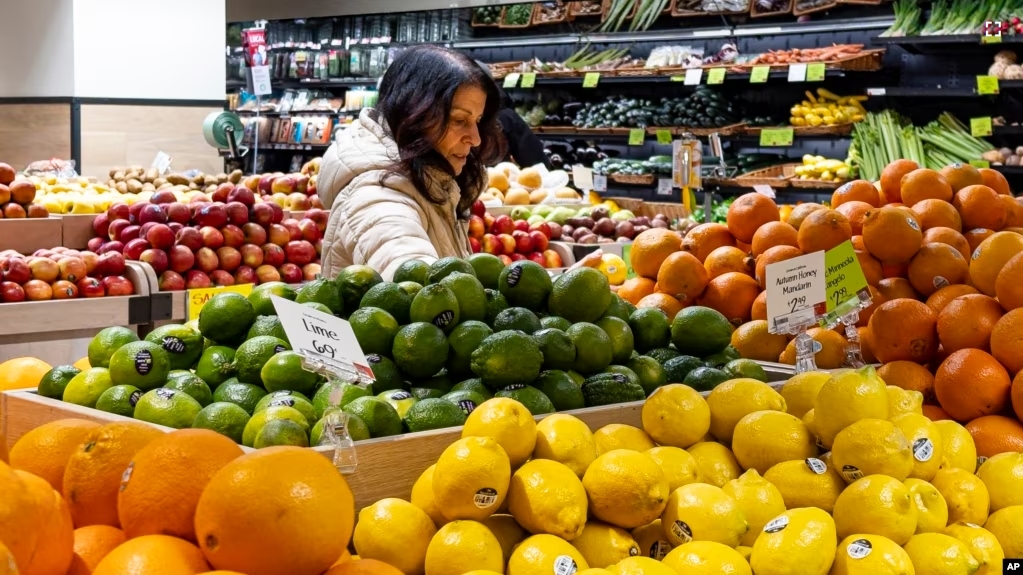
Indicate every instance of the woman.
{"type": "Point", "coordinates": [398, 179]}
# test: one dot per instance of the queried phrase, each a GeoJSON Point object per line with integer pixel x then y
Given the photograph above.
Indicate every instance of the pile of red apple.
{"type": "Point", "coordinates": [511, 240]}
{"type": "Point", "coordinates": [295, 192]}
{"type": "Point", "coordinates": [61, 273]}
{"type": "Point", "coordinates": [235, 240]}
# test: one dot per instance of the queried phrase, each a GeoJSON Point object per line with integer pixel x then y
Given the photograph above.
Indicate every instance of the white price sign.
{"type": "Point", "coordinates": [796, 292]}
{"type": "Point", "coordinates": [693, 76]}
{"type": "Point", "coordinates": [664, 186]}
{"type": "Point", "coordinates": [764, 190]}
{"type": "Point", "coordinates": [599, 183]}
{"type": "Point", "coordinates": [322, 336]}
{"type": "Point", "coordinates": [797, 72]}
{"type": "Point", "coordinates": [582, 177]}
{"type": "Point", "coordinates": [261, 85]}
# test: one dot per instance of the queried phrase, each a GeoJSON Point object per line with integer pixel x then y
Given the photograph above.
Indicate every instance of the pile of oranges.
{"type": "Point", "coordinates": [79, 498]}
{"type": "Point", "coordinates": [942, 252]}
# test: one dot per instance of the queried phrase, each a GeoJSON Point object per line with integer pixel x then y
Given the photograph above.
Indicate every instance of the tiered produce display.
{"type": "Point", "coordinates": [61, 273]}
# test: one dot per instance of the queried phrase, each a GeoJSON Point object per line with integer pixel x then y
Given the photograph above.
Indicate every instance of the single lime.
{"type": "Point", "coordinates": [140, 363]}
{"type": "Point", "coordinates": [225, 418]}
{"type": "Point", "coordinates": [390, 298]}
{"type": "Point", "coordinates": [183, 344]}
{"type": "Point", "coordinates": [167, 407]}
{"type": "Point", "coordinates": [380, 417]}
{"type": "Point", "coordinates": [433, 414]}
{"type": "Point", "coordinates": [412, 271]}
{"type": "Point", "coordinates": [190, 383]}
{"type": "Point", "coordinates": [284, 371]}
{"type": "Point", "coordinates": [119, 399]}
{"type": "Point", "coordinates": [386, 373]}
{"type": "Point", "coordinates": [244, 395]}
{"type": "Point", "coordinates": [281, 432]}
{"type": "Point", "coordinates": [106, 342]}
{"type": "Point", "coordinates": [374, 329]}
{"type": "Point", "coordinates": [336, 394]}
{"type": "Point", "coordinates": [55, 381]}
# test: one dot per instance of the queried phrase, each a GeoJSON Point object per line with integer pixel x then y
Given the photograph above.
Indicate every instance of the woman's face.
{"type": "Point", "coordinates": [462, 133]}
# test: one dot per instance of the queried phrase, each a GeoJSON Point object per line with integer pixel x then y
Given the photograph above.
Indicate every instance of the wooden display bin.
{"type": "Point", "coordinates": [77, 230]}
{"type": "Point", "coordinates": [30, 234]}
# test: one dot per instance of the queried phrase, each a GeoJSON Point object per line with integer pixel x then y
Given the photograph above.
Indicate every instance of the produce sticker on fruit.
{"type": "Point", "coordinates": [198, 297]}
{"type": "Point", "coordinates": [796, 292]}
{"type": "Point", "coordinates": [322, 337]}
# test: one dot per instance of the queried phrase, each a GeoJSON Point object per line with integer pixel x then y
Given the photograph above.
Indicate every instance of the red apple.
{"type": "Point", "coordinates": [245, 275]}
{"type": "Point", "coordinates": [175, 227]}
{"type": "Point", "coordinates": [301, 183]}
{"type": "Point", "coordinates": [151, 213]}
{"type": "Point", "coordinates": [38, 290]}
{"type": "Point", "coordinates": [157, 259]}
{"type": "Point", "coordinates": [474, 244]}
{"type": "Point", "coordinates": [252, 255]}
{"type": "Point", "coordinates": [63, 289]}
{"type": "Point", "coordinates": [195, 206]}
{"type": "Point", "coordinates": [491, 245]}
{"type": "Point", "coordinates": [42, 269]}
{"type": "Point", "coordinates": [230, 259]}
{"type": "Point", "coordinates": [311, 271]}
{"type": "Point", "coordinates": [111, 247]}
{"type": "Point", "coordinates": [160, 236]}
{"type": "Point", "coordinates": [178, 212]}
{"type": "Point", "coordinates": [200, 198]}
{"type": "Point", "coordinates": [523, 244]}
{"type": "Point", "coordinates": [278, 213]}
{"type": "Point", "coordinates": [290, 273]}
{"type": "Point", "coordinates": [196, 279]}
{"type": "Point", "coordinates": [538, 240]}
{"type": "Point", "coordinates": [133, 249]}
{"type": "Point", "coordinates": [476, 227]}
{"type": "Point", "coordinates": [101, 225]}
{"type": "Point", "coordinates": [266, 183]}
{"type": "Point", "coordinates": [172, 281]}
{"type": "Point", "coordinates": [129, 233]}
{"type": "Point", "coordinates": [478, 208]}
{"type": "Point", "coordinates": [502, 225]}
{"type": "Point", "coordinates": [542, 227]}
{"type": "Point", "coordinates": [163, 197]}
{"type": "Point", "coordinates": [180, 259]}
{"type": "Point", "coordinates": [318, 245]}
{"type": "Point", "coordinates": [211, 237]}
{"type": "Point", "coordinates": [298, 202]}
{"type": "Point", "coordinates": [242, 195]}
{"type": "Point", "coordinates": [110, 264]}
{"type": "Point", "coordinates": [261, 214]}
{"type": "Point", "coordinates": [206, 260]}
{"type": "Point", "coordinates": [212, 215]}
{"type": "Point", "coordinates": [293, 228]}
{"type": "Point", "coordinates": [319, 217]}
{"type": "Point", "coordinates": [310, 232]}
{"type": "Point", "coordinates": [115, 228]}
{"type": "Point", "coordinates": [11, 292]}
{"type": "Point", "coordinates": [90, 260]}
{"type": "Point", "coordinates": [506, 260]}
{"type": "Point", "coordinates": [234, 237]}
{"type": "Point", "coordinates": [237, 213]}
{"type": "Point", "coordinates": [117, 286]}
{"type": "Point", "coordinates": [267, 273]}
{"type": "Point", "coordinates": [283, 185]}
{"type": "Point", "coordinates": [254, 233]}
{"type": "Point", "coordinates": [300, 252]}
{"type": "Point", "coordinates": [507, 243]}
{"type": "Point", "coordinates": [488, 221]}
{"type": "Point", "coordinates": [552, 259]}
{"type": "Point", "coordinates": [189, 238]}
{"type": "Point", "coordinates": [221, 278]}
{"type": "Point", "coordinates": [279, 235]}
{"type": "Point", "coordinates": [144, 229]}
{"type": "Point", "coordinates": [273, 255]}
{"type": "Point", "coordinates": [95, 244]}
{"type": "Point", "coordinates": [221, 193]}
{"type": "Point", "coordinates": [72, 269]}
{"type": "Point", "coordinates": [535, 257]}
{"type": "Point", "coordinates": [555, 229]}
{"type": "Point", "coordinates": [517, 257]}
{"type": "Point", "coordinates": [522, 225]}
{"type": "Point", "coordinates": [118, 211]}
{"type": "Point", "coordinates": [19, 271]}
{"type": "Point", "coordinates": [90, 287]}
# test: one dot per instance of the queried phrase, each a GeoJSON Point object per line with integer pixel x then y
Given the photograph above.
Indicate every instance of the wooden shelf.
{"type": "Point", "coordinates": [30, 234]}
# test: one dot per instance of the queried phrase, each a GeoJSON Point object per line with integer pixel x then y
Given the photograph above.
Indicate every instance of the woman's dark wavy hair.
{"type": "Point", "coordinates": [415, 100]}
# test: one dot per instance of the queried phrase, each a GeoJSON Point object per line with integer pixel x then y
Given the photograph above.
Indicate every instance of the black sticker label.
{"type": "Point", "coordinates": [284, 402]}
{"type": "Point", "coordinates": [859, 549]}
{"type": "Point", "coordinates": [485, 497]}
{"type": "Point", "coordinates": [681, 531]}
{"type": "Point", "coordinates": [373, 358]}
{"type": "Point", "coordinates": [134, 397]}
{"type": "Point", "coordinates": [659, 550]}
{"type": "Point", "coordinates": [444, 318]}
{"type": "Point", "coordinates": [399, 395]}
{"type": "Point", "coordinates": [143, 362]}
{"type": "Point", "coordinates": [279, 348]}
{"type": "Point", "coordinates": [173, 344]}
{"type": "Point", "coordinates": [467, 406]}
{"type": "Point", "coordinates": [923, 449]}
{"type": "Point", "coordinates": [515, 386]}
{"type": "Point", "coordinates": [816, 465]}
{"type": "Point", "coordinates": [514, 275]}
{"type": "Point", "coordinates": [70, 291]}
{"type": "Point", "coordinates": [777, 524]}
{"type": "Point", "coordinates": [633, 551]}
{"type": "Point", "coordinates": [165, 393]}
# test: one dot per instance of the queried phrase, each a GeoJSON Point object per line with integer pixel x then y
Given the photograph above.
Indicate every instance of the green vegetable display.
{"type": "Point", "coordinates": [704, 108]}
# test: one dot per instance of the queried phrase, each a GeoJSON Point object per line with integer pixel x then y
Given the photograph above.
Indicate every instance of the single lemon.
{"type": "Point", "coordinates": [508, 531]}
{"type": "Point", "coordinates": [800, 391]}
{"type": "Point", "coordinates": [702, 512]}
{"type": "Point", "coordinates": [759, 500]}
{"type": "Point", "coordinates": [422, 497]}
{"type": "Point", "coordinates": [603, 545]}
{"type": "Point", "coordinates": [678, 466]}
{"type": "Point", "coordinates": [872, 447]}
{"type": "Point", "coordinates": [462, 546]}
{"type": "Point", "coordinates": [744, 551]}
{"type": "Point", "coordinates": [982, 544]}
{"type": "Point", "coordinates": [806, 483]}
{"type": "Point", "coordinates": [547, 497]}
{"type": "Point", "coordinates": [931, 509]}
{"type": "Point", "coordinates": [764, 439]}
{"type": "Point", "coordinates": [904, 401]}
{"type": "Point", "coordinates": [395, 532]}
{"type": "Point", "coordinates": [1006, 525]}
{"type": "Point", "coordinates": [966, 495]}
{"type": "Point", "coordinates": [734, 399]}
{"type": "Point", "coordinates": [619, 436]}
{"type": "Point", "coordinates": [707, 558]}
{"type": "Point", "coordinates": [676, 415]}
{"type": "Point", "coordinates": [876, 504]}
{"type": "Point", "coordinates": [651, 540]}
{"type": "Point", "coordinates": [625, 488]}
{"type": "Point", "coordinates": [471, 478]}
{"type": "Point", "coordinates": [798, 542]}
{"type": "Point", "coordinates": [716, 463]}
{"type": "Point", "coordinates": [940, 553]}
{"type": "Point", "coordinates": [566, 439]}
{"type": "Point", "coordinates": [1002, 474]}
{"type": "Point", "coordinates": [959, 449]}
{"type": "Point", "coordinates": [846, 398]}
{"type": "Point", "coordinates": [868, 554]}
{"type": "Point", "coordinates": [545, 554]}
{"type": "Point", "coordinates": [508, 422]}
{"type": "Point", "coordinates": [925, 439]}
{"type": "Point", "coordinates": [640, 566]}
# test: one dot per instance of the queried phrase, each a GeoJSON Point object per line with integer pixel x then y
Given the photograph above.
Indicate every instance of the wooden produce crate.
{"type": "Point", "coordinates": [774, 176]}
{"type": "Point", "coordinates": [27, 235]}
{"type": "Point", "coordinates": [77, 230]}
{"type": "Point", "coordinates": [672, 210]}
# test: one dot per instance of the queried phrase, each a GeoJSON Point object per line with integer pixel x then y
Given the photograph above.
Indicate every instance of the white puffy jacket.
{"type": "Point", "coordinates": [380, 225]}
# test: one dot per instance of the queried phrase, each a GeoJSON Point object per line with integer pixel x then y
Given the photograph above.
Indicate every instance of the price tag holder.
{"type": "Point", "coordinates": [326, 343]}
{"type": "Point", "coordinates": [980, 127]}
{"type": "Point", "coordinates": [197, 298]}
{"type": "Point", "coordinates": [796, 293]}
{"type": "Point", "coordinates": [511, 80]}
{"type": "Point", "coordinates": [987, 85]}
{"type": "Point", "coordinates": [664, 136]}
{"type": "Point", "coordinates": [765, 191]}
{"type": "Point", "coordinates": [797, 72]}
{"type": "Point", "coordinates": [637, 136]}
{"type": "Point", "coordinates": [759, 74]}
{"type": "Point", "coordinates": [591, 79]}
{"type": "Point", "coordinates": [664, 186]}
{"type": "Point", "coordinates": [980, 163]}
{"type": "Point", "coordinates": [627, 257]}
{"type": "Point", "coordinates": [776, 137]}
{"type": "Point", "coordinates": [260, 77]}
{"type": "Point", "coordinates": [846, 284]}
{"type": "Point", "coordinates": [582, 177]}
{"type": "Point", "coordinates": [716, 76]}
{"type": "Point", "coordinates": [528, 80]}
{"type": "Point", "coordinates": [599, 183]}
{"type": "Point", "coordinates": [678, 78]}
{"type": "Point", "coordinates": [693, 76]}
{"type": "Point", "coordinates": [991, 39]}
{"type": "Point", "coordinates": [815, 72]}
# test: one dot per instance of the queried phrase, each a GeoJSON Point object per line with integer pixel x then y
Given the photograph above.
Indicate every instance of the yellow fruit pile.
{"type": "Point", "coordinates": [821, 168]}
{"type": "Point", "coordinates": [827, 109]}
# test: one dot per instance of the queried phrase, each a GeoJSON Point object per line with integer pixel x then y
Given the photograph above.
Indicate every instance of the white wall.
{"type": "Point", "coordinates": [159, 49]}
{"type": "Point", "coordinates": [36, 48]}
